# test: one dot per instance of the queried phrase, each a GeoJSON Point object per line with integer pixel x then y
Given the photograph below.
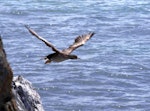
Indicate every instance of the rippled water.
{"type": "Point", "coordinates": [113, 72]}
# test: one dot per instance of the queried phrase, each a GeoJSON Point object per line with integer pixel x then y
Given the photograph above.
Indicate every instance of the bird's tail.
{"type": "Point", "coordinates": [46, 60]}
{"type": "Point", "coordinates": [43, 58]}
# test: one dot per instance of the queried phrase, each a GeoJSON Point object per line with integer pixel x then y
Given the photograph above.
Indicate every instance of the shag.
{"type": "Point", "coordinates": [59, 56]}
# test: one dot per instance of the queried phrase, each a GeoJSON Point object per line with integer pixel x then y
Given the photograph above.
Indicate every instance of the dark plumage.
{"type": "Point", "coordinates": [65, 54]}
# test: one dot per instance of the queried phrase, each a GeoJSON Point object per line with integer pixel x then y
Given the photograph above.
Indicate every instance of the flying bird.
{"type": "Point", "coordinates": [59, 56]}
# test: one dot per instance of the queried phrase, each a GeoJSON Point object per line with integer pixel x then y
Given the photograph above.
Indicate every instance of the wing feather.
{"type": "Point", "coordinates": [79, 41]}
{"type": "Point", "coordinates": [42, 39]}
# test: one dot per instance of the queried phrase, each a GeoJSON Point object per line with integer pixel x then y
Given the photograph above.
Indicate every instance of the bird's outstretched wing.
{"type": "Point", "coordinates": [79, 41]}
{"type": "Point", "coordinates": [41, 38]}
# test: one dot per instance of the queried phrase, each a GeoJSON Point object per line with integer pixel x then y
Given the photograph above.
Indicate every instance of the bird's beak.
{"type": "Point", "coordinates": [78, 58]}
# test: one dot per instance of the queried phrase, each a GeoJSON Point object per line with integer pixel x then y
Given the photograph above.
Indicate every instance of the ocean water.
{"type": "Point", "coordinates": [113, 73]}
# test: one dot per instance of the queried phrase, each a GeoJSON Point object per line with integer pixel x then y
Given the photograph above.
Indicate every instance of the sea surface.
{"type": "Point", "coordinates": [113, 72]}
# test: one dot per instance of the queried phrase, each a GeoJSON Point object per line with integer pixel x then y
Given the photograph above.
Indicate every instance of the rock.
{"type": "Point", "coordinates": [7, 101]}
{"type": "Point", "coordinates": [26, 97]}
{"type": "Point", "coordinates": [17, 94]}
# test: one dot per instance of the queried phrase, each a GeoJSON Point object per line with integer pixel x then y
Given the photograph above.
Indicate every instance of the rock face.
{"type": "Point", "coordinates": [7, 101]}
{"type": "Point", "coordinates": [26, 97]}
{"type": "Point", "coordinates": [17, 94]}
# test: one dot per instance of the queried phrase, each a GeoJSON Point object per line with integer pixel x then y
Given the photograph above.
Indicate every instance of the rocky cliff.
{"type": "Point", "coordinates": [16, 93]}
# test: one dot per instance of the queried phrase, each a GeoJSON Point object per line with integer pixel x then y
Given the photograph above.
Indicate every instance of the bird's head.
{"type": "Point", "coordinates": [73, 57]}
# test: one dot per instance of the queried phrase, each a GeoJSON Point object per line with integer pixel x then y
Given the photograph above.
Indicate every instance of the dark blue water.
{"type": "Point", "coordinates": [113, 73]}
